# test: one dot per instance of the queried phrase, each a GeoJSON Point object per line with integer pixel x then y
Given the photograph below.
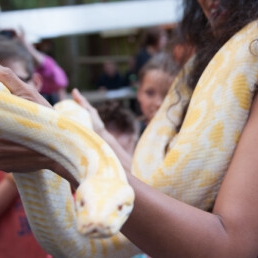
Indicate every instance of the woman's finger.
{"type": "Point", "coordinates": [78, 97]}
{"type": "Point", "coordinates": [19, 88]}
{"type": "Point", "coordinates": [97, 123]}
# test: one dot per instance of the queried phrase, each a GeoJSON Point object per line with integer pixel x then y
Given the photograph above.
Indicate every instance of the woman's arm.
{"type": "Point", "coordinates": [164, 227]}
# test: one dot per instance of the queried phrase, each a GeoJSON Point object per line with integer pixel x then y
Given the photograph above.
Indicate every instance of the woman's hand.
{"type": "Point", "coordinates": [99, 127]}
{"type": "Point", "coordinates": [16, 158]}
{"type": "Point", "coordinates": [20, 88]}
{"type": "Point", "coordinates": [97, 123]}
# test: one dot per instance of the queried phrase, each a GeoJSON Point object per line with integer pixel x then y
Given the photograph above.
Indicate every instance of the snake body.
{"type": "Point", "coordinates": [104, 199]}
{"type": "Point", "coordinates": [188, 165]}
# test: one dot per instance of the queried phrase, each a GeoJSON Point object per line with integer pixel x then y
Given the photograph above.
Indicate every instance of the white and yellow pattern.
{"type": "Point", "coordinates": [104, 199]}
{"type": "Point", "coordinates": [189, 165]}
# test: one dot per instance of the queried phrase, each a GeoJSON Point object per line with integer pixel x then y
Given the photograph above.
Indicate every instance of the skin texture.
{"type": "Point", "coordinates": [38, 59]}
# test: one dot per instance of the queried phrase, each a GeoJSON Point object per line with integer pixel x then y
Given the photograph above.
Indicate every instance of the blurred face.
{"type": "Point", "coordinates": [110, 69]}
{"type": "Point", "coordinates": [163, 41]}
{"type": "Point", "coordinates": [214, 11]}
{"type": "Point", "coordinates": [19, 69]}
{"type": "Point", "coordinates": [152, 91]}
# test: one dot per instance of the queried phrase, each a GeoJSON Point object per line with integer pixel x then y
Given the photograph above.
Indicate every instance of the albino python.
{"type": "Point", "coordinates": [189, 165]}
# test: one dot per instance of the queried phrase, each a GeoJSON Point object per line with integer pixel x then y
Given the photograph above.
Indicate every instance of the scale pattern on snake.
{"type": "Point", "coordinates": [188, 165]}
{"type": "Point", "coordinates": [103, 200]}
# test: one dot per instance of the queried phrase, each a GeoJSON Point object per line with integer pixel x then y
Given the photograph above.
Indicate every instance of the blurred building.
{"type": "Point", "coordinates": [82, 35]}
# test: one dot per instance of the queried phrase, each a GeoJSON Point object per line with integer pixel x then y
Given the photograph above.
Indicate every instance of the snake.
{"type": "Point", "coordinates": [188, 164]}
{"type": "Point", "coordinates": [103, 199]}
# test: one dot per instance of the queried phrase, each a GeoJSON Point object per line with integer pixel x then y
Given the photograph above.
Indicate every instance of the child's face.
{"type": "Point", "coordinates": [152, 91]}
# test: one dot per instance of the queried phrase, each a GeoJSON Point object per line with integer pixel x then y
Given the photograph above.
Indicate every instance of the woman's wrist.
{"type": "Point", "coordinates": [100, 130]}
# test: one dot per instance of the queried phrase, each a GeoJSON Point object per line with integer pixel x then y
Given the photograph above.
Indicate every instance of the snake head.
{"type": "Point", "coordinates": [102, 206]}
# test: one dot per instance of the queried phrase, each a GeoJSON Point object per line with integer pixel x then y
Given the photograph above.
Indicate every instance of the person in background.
{"type": "Point", "coordinates": [55, 80]}
{"type": "Point", "coordinates": [130, 78]}
{"type": "Point", "coordinates": [121, 123]}
{"type": "Point", "coordinates": [154, 41]}
{"type": "Point", "coordinates": [110, 79]}
{"type": "Point", "coordinates": [16, 237]}
{"type": "Point", "coordinates": [155, 79]}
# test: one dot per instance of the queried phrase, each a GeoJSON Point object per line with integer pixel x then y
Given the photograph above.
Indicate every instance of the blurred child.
{"type": "Point", "coordinates": [16, 237]}
{"type": "Point", "coordinates": [121, 123]}
{"type": "Point", "coordinates": [155, 79]}
{"type": "Point", "coordinates": [54, 78]}
{"type": "Point", "coordinates": [110, 78]}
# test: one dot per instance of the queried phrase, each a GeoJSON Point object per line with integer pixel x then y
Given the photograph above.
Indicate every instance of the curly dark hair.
{"type": "Point", "coordinates": [196, 31]}
{"type": "Point", "coordinates": [117, 118]}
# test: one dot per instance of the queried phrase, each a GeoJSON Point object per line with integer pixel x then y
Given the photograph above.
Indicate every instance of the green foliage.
{"type": "Point", "coordinates": [29, 4]}
{"type": "Point", "coordinates": [8, 5]}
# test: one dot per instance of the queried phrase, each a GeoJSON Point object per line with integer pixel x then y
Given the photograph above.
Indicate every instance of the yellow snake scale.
{"type": "Point", "coordinates": [188, 165]}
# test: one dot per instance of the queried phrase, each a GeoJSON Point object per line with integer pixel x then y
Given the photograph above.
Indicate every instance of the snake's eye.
{"type": "Point", "coordinates": [124, 208]}
{"type": "Point", "coordinates": [82, 203]}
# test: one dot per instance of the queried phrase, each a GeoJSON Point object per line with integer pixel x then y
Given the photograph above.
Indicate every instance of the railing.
{"type": "Point", "coordinates": [123, 94]}
{"type": "Point", "coordinates": [10, 5]}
